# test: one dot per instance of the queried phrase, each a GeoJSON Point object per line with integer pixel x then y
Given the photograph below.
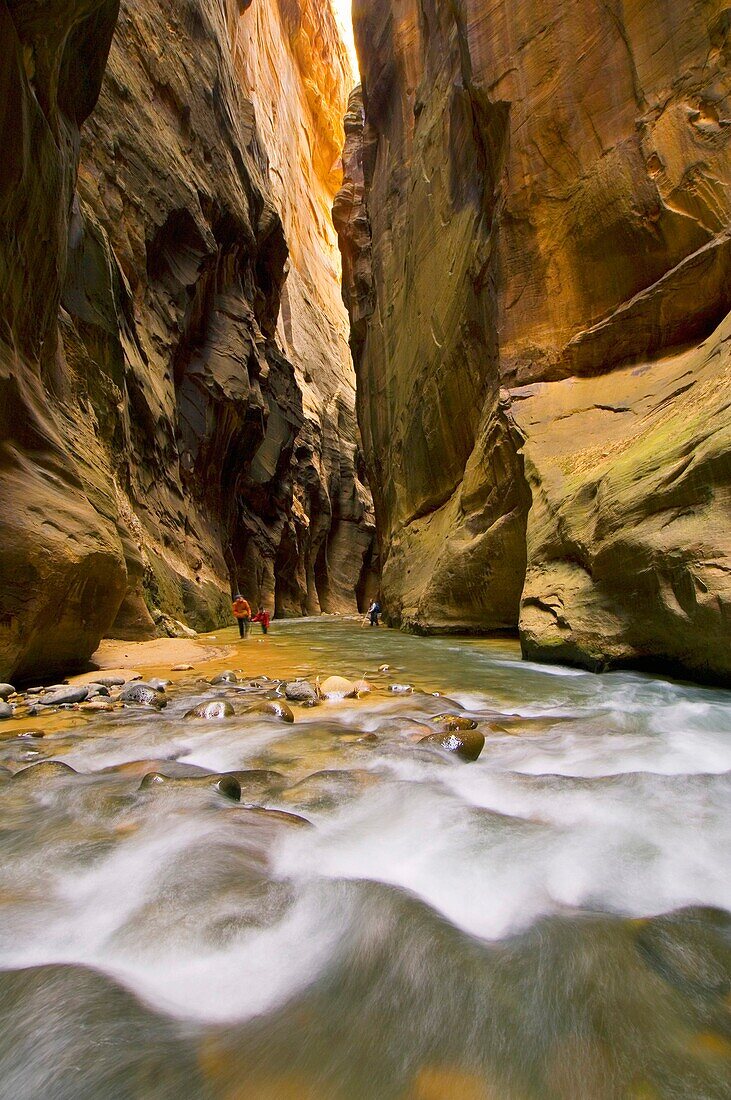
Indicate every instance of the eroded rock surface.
{"type": "Point", "coordinates": [177, 401]}
{"type": "Point", "coordinates": [535, 229]}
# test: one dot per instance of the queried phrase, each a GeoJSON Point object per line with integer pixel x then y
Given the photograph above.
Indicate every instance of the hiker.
{"type": "Point", "coordinates": [242, 614]}
{"type": "Point", "coordinates": [374, 612]}
{"type": "Point", "coordinates": [264, 618]}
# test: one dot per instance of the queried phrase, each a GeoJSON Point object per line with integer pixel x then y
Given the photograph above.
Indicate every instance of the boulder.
{"type": "Point", "coordinates": [142, 694]}
{"type": "Point", "coordinates": [6, 711]}
{"type": "Point", "coordinates": [45, 772]}
{"type": "Point", "coordinates": [401, 689]}
{"type": "Point", "coordinates": [337, 687]}
{"type": "Point", "coordinates": [224, 678]}
{"type": "Point", "coordinates": [64, 696]}
{"type": "Point", "coordinates": [258, 785]}
{"type": "Point", "coordinates": [453, 723]}
{"type": "Point", "coordinates": [466, 744]}
{"type": "Point", "coordinates": [6, 690]}
{"type": "Point", "coordinates": [274, 708]}
{"type": "Point", "coordinates": [210, 712]}
{"type": "Point", "coordinates": [301, 691]}
{"type": "Point", "coordinates": [225, 785]}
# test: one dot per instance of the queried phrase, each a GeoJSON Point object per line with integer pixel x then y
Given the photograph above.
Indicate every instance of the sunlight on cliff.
{"type": "Point", "coordinates": [344, 15]}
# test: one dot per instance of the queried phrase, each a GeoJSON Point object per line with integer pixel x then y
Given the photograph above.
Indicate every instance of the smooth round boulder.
{"type": "Point", "coordinates": [465, 744]}
{"type": "Point", "coordinates": [64, 696]}
{"type": "Point", "coordinates": [182, 668]}
{"type": "Point", "coordinates": [453, 723]}
{"type": "Point", "coordinates": [275, 709]}
{"type": "Point", "coordinates": [6, 690]}
{"type": "Point", "coordinates": [224, 678]}
{"type": "Point", "coordinates": [211, 712]}
{"type": "Point", "coordinates": [143, 695]}
{"type": "Point", "coordinates": [258, 784]}
{"type": "Point", "coordinates": [6, 711]}
{"type": "Point", "coordinates": [45, 771]}
{"type": "Point", "coordinates": [401, 689]}
{"type": "Point", "coordinates": [337, 687]}
{"type": "Point", "coordinates": [225, 785]}
{"type": "Point", "coordinates": [301, 691]}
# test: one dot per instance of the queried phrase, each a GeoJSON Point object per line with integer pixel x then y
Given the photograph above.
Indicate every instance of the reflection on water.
{"type": "Point", "coordinates": [550, 921]}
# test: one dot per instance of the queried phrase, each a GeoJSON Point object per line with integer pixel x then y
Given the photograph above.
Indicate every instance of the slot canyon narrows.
{"type": "Point", "coordinates": [365, 530]}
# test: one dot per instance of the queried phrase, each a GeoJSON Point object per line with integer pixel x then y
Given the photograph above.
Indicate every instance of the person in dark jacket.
{"type": "Point", "coordinates": [374, 612]}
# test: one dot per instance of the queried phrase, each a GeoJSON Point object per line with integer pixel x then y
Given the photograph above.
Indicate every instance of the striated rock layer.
{"type": "Point", "coordinates": [536, 238]}
{"type": "Point", "coordinates": [177, 399]}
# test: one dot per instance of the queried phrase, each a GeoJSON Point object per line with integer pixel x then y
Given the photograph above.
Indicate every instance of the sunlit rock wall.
{"type": "Point", "coordinates": [172, 427]}
{"type": "Point", "coordinates": [535, 225]}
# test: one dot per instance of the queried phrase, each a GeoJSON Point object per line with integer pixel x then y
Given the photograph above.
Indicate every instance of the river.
{"type": "Point", "coordinates": [551, 921]}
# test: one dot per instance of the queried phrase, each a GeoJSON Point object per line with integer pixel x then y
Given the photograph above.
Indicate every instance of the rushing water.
{"type": "Point", "coordinates": [548, 922]}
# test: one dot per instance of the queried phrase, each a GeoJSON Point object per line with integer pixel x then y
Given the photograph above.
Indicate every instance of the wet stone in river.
{"type": "Point", "coordinates": [228, 677]}
{"type": "Point", "coordinates": [219, 708]}
{"type": "Point", "coordinates": [6, 711]}
{"type": "Point", "coordinates": [335, 688]}
{"type": "Point", "coordinates": [64, 696]}
{"type": "Point", "coordinates": [143, 694]}
{"type": "Point", "coordinates": [275, 709]}
{"type": "Point", "coordinates": [301, 691]}
{"type": "Point", "coordinates": [6, 690]}
{"type": "Point", "coordinates": [45, 772]}
{"type": "Point", "coordinates": [466, 744]}
{"type": "Point", "coordinates": [258, 784]}
{"type": "Point", "coordinates": [225, 785]}
{"type": "Point", "coordinates": [401, 689]}
{"type": "Point", "coordinates": [454, 722]}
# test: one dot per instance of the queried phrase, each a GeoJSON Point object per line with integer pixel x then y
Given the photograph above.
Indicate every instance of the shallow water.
{"type": "Point", "coordinates": [550, 921]}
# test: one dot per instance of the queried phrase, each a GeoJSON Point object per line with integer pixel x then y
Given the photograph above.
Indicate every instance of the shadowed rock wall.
{"type": "Point", "coordinates": [161, 442]}
{"type": "Point", "coordinates": [535, 229]}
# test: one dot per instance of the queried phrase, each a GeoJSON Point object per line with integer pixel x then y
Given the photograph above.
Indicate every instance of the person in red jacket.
{"type": "Point", "coordinates": [264, 618]}
{"type": "Point", "coordinates": [242, 614]}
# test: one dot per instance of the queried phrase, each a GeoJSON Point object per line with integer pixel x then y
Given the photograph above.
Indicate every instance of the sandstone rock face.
{"type": "Point", "coordinates": [535, 229]}
{"type": "Point", "coordinates": [177, 419]}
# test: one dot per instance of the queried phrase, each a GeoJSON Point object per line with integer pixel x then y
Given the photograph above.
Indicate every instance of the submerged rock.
{"type": "Point", "coordinates": [401, 689]}
{"type": "Point", "coordinates": [257, 784]}
{"type": "Point", "coordinates": [337, 687]}
{"type": "Point", "coordinates": [219, 708]}
{"type": "Point", "coordinates": [6, 711]}
{"type": "Point", "coordinates": [182, 668]}
{"type": "Point", "coordinates": [47, 770]}
{"type": "Point", "coordinates": [142, 694]}
{"type": "Point", "coordinates": [226, 785]}
{"type": "Point", "coordinates": [326, 788]}
{"type": "Point", "coordinates": [454, 722]}
{"type": "Point", "coordinates": [275, 708]}
{"type": "Point", "coordinates": [466, 744]}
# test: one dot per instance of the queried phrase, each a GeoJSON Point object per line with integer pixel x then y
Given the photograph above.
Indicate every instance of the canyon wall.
{"type": "Point", "coordinates": [177, 413]}
{"type": "Point", "coordinates": [535, 229]}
